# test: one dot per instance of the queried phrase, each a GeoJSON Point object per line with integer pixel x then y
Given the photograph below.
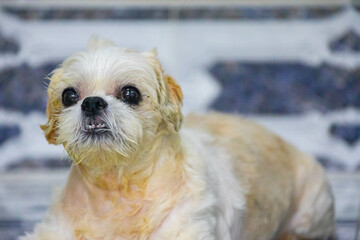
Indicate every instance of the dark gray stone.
{"type": "Point", "coordinates": [331, 164]}
{"type": "Point", "coordinates": [31, 164]}
{"type": "Point", "coordinates": [8, 131]}
{"type": "Point", "coordinates": [13, 228]}
{"type": "Point", "coordinates": [350, 133]}
{"type": "Point", "coordinates": [8, 45]}
{"type": "Point", "coordinates": [23, 88]}
{"type": "Point", "coordinates": [10, 229]}
{"type": "Point", "coordinates": [284, 88]}
{"type": "Point", "coordinates": [183, 13]}
{"type": "Point", "coordinates": [348, 42]}
{"type": "Point", "coordinates": [257, 13]}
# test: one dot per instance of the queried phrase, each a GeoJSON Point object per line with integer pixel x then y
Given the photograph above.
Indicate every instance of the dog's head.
{"type": "Point", "coordinates": [109, 100]}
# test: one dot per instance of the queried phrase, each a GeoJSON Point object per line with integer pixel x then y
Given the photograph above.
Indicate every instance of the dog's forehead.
{"type": "Point", "coordinates": [107, 69]}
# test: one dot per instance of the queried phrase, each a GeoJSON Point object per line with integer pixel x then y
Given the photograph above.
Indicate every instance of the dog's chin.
{"type": "Point", "coordinates": [98, 142]}
{"type": "Point", "coordinates": [96, 148]}
{"type": "Point", "coordinates": [96, 139]}
{"type": "Point", "coordinates": [96, 136]}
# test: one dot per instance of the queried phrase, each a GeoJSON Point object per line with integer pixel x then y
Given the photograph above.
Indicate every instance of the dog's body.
{"type": "Point", "coordinates": [286, 191]}
{"type": "Point", "coordinates": [220, 177]}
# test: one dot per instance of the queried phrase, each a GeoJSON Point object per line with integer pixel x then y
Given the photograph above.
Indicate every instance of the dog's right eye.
{"type": "Point", "coordinates": [69, 97]}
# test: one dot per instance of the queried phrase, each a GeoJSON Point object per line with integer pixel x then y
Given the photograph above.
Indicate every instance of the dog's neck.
{"type": "Point", "coordinates": [134, 201]}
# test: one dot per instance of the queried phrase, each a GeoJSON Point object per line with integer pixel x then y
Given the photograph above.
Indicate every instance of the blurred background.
{"type": "Point", "coordinates": [292, 65]}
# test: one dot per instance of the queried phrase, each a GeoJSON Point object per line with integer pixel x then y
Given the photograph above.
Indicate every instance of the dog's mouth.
{"type": "Point", "coordinates": [95, 125]}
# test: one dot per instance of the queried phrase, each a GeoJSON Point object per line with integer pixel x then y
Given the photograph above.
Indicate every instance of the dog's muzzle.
{"type": "Point", "coordinates": [93, 107]}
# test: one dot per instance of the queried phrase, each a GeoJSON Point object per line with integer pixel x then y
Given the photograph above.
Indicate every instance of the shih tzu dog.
{"type": "Point", "coordinates": [137, 174]}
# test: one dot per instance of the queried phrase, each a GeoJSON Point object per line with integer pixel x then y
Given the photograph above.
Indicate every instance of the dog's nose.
{"type": "Point", "coordinates": [92, 106]}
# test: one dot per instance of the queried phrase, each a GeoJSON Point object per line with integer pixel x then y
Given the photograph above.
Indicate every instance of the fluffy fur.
{"type": "Point", "coordinates": [219, 177]}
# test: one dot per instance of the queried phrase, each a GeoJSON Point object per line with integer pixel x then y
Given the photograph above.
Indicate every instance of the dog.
{"type": "Point", "coordinates": [142, 172]}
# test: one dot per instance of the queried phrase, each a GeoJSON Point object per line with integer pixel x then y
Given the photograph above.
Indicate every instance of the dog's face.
{"type": "Point", "coordinates": [108, 100]}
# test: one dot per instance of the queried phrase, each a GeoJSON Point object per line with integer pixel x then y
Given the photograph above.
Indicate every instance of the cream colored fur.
{"type": "Point", "coordinates": [218, 177]}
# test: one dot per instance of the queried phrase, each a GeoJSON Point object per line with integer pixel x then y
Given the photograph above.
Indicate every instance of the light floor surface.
{"type": "Point", "coordinates": [25, 196]}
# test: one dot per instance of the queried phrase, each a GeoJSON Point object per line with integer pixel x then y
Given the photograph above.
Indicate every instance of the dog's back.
{"type": "Point", "coordinates": [287, 191]}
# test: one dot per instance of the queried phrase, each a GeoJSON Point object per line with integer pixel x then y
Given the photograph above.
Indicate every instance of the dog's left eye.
{"type": "Point", "coordinates": [130, 95]}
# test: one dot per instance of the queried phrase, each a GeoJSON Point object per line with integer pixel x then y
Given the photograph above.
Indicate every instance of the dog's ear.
{"type": "Point", "coordinates": [172, 110]}
{"type": "Point", "coordinates": [170, 94]}
{"type": "Point", "coordinates": [52, 110]}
